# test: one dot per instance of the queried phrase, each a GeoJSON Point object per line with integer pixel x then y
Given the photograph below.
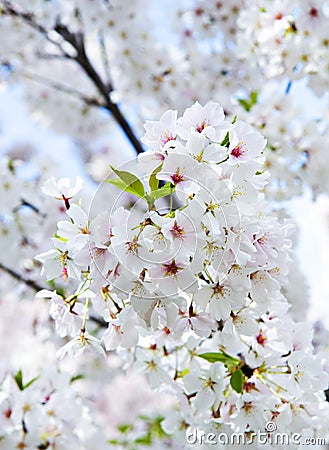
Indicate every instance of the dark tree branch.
{"type": "Point", "coordinates": [28, 18]}
{"type": "Point", "coordinates": [106, 63]}
{"type": "Point", "coordinates": [76, 40]}
{"type": "Point", "coordinates": [37, 287]}
{"type": "Point", "coordinates": [101, 322]}
{"type": "Point", "coordinates": [29, 283]}
{"type": "Point", "coordinates": [90, 101]}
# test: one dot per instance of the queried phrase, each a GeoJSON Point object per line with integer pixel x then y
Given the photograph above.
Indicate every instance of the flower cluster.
{"type": "Point", "coordinates": [280, 39]}
{"type": "Point", "coordinates": [43, 413]}
{"type": "Point", "coordinates": [84, 59]}
{"type": "Point", "coordinates": [187, 282]}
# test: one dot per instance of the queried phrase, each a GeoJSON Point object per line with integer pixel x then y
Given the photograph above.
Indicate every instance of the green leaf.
{"type": "Point", "coordinates": [59, 238]}
{"type": "Point", "coordinates": [79, 376]}
{"type": "Point", "coordinates": [117, 182]}
{"type": "Point", "coordinates": [249, 102]}
{"type": "Point", "coordinates": [236, 380]}
{"type": "Point", "coordinates": [18, 377]}
{"type": "Point", "coordinates": [153, 181]}
{"type": "Point", "coordinates": [229, 361]}
{"type": "Point", "coordinates": [144, 440]}
{"type": "Point", "coordinates": [30, 382]}
{"type": "Point", "coordinates": [253, 97]}
{"type": "Point", "coordinates": [226, 141]}
{"type": "Point", "coordinates": [182, 373]}
{"type": "Point", "coordinates": [124, 428]}
{"type": "Point", "coordinates": [165, 190]}
{"type": "Point", "coordinates": [19, 380]}
{"type": "Point", "coordinates": [128, 182]}
{"type": "Point", "coordinates": [11, 166]}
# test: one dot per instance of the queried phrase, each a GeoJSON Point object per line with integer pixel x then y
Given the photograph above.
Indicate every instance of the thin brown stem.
{"type": "Point", "coordinates": [77, 42]}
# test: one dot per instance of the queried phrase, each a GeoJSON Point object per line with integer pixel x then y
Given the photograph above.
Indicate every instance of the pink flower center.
{"type": "Point", "coordinates": [132, 246]}
{"type": "Point", "coordinates": [199, 127]}
{"type": "Point", "coordinates": [177, 177]}
{"type": "Point", "coordinates": [313, 12]}
{"type": "Point", "coordinates": [262, 240]}
{"type": "Point", "coordinates": [238, 151]}
{"type": "Point", "coordinates": [218, 290]}
{"type": "Point", "coordinates": [171, 269]}
{"type": "Point", "coordinates": [177, 231]}
{"type": "Point", "coordinates": [166, 137]}
{"type": "Point", "coordinates": [64, 274]}
{"type": "Point", "coordinates": [261, 339]}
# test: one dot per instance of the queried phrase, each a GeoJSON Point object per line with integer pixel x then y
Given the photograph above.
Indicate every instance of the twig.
{"type": "Point", "coordinates": [105, 59]}
{"type": "Point", "coordinates": [62, 88]}
{"type": "Point", "coordinates": [29, 19]}
{"type": "Point", "coordinates": [29, 283]}
{"type": "Point", "coordinates": [33, 207]}
{"type": "Point", "coordinates": [77, 42]}
{"type": "Point", "coordinates": [99, 321]}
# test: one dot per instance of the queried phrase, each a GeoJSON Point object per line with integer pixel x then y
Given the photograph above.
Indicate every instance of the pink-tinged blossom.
{"type": "Point", "coordinates": [158, 134]}
{"type": "Point", "coordinates": [208, 120]}
{"type": "Point", "coordinates": [197, 273]}
{"type": "Point", "coordinates": [181, 173]}
{"type": "Point", "coordinates": [246, 144]}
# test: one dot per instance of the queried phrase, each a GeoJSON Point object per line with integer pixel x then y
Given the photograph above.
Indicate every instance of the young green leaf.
{"type": "Point", "coordinates": [226, 141]}
{"type": "Point", "coordinates": [144, 440]}
{"type": "Point", "coordinates": [247, 104]}
{"type": "Point", "coordinates": [153, 181]}
{"type": "Point", "coordinates": [165, 190]}
{"type": "Point", "coordinates": [124, 428]}
{"type": "Point", "coordinates": [236, 381]}
{"type": "Point", "coordinates": [117, 182]}
{"type": "Point", "coordinates": [19, 380]}
{"type": "Point", "coordinates": [79, 376]}
{"type": "Point", "coordinates": [229, 361]}
{"type": "Point", "coordinates": [18, 377]}
{"type": "Point", "coordinates": [30, 382]}
{"type": "Point", "coordinates": [131, 182]}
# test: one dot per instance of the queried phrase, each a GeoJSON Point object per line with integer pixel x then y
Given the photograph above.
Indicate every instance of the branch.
{"type": "Point", "coordinates": [101, 322]}
{"type": "Point", "coordinates": [29, 283]}
{"type": "Point", "coordinates": [77, 42]}
{"type": "Point", "coordinates": [105, 59]}
{"type": "Point", "coordinates": [90, 101]}
{"type": "Point", "coordinates": [28, 18]}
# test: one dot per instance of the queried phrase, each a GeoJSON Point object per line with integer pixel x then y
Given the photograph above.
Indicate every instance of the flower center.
{"type": "Point", "coordinates": [177, 231]}
{"type": "Point", "coordinates": [261, 339]}
{"type": "Point", "coordinates": [166, 137]}
{"type": "Point", "coordinates": [177, 177]}
{"type": "Point", "coordinates": [199, 127]}
{"type": "Point", "coordinates": [313, 12]}
{"type": "Point", "coordinates": [171, 269]}
{"type": "Point", "coordinates": [132, 246]}
{"type": "Point", "coordinates": [218, 290]}
{"type": "Point", "coordinates": [238, 151]}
